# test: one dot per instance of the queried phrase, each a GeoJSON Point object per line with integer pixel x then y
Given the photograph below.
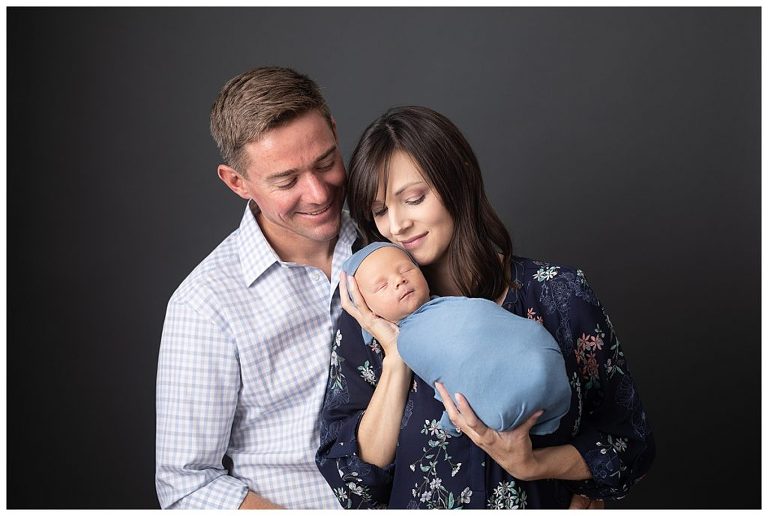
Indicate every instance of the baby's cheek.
{"type": "Point", "coordinates": [382, 306]}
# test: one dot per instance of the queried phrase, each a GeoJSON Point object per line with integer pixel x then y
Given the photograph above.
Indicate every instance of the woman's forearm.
{"type": "Point", "coordinates": [380, 426]}
{"type": "Point", "coordinates": [560, 462]}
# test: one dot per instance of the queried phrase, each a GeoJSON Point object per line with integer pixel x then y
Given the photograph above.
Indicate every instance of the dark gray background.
{"type": "Point", "coordinates": [625, 141]}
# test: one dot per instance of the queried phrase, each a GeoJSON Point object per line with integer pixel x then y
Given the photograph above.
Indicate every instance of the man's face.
{"type": "Point", "coordinates": [296, 176]}
{"type": "Point", "coordinates": [391, 284]}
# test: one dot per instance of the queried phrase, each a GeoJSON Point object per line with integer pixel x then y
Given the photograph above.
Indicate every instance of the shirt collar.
{"type": "Point", "coordinates": [347, 236]}
{"type": "Point", "coordinates": [257, 255]}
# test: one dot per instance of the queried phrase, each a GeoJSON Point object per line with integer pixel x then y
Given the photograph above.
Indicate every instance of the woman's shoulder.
{"type": "Point", "coordinates": [526, 269]}
{"type": "Point", "coordinates": [551, 283]}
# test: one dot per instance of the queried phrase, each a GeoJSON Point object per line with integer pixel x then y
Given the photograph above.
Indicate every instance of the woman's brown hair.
{"type": "Point", "coordinates": [450, 167]}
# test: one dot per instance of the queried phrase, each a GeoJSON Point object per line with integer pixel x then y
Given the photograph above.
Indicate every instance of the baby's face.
{"type": "Point", "coordinates": [391, 284]}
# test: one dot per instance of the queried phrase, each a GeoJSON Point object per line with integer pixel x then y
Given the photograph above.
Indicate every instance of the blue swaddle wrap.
{"type": "Point", "coordinates": [506, 366]}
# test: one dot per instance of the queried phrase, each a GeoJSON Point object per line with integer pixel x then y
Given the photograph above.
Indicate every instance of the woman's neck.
{"type": "Point", "coordinates": [441, 280]}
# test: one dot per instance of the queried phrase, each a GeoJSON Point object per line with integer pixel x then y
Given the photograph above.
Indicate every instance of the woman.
{"type": "Point", "coordinates": [415, 181]}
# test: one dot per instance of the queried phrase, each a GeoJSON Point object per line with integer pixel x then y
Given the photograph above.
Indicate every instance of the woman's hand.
{"type": "Point", "coordinates": [512, 449]}
{"type": "Point", "coordinates": [582, 502]}
{"type": "Point", "coordinates": [382, 330]}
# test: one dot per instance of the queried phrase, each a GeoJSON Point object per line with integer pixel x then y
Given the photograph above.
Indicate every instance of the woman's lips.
{"type": "Point", "coordinates": [413, 242]}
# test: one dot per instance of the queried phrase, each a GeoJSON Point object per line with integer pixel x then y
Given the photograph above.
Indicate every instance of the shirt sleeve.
{"type": "Point", "coordinates": [198, 379]}
{"type": "Point", "coordinates": [354, 370]}
{"type": "Point", "coordinates": [614, 435]}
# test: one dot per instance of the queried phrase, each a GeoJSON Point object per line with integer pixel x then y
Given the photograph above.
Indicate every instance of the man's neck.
{"type": "Point", "coordinates": [296, 249]}
{"type": "Point", "coordinates": [319, 255]}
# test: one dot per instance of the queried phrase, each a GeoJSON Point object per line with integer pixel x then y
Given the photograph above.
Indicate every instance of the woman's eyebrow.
{"type": "Point", "coordinates": [399, 191]}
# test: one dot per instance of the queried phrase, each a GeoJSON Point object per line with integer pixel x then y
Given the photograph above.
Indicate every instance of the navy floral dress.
{"type": "Point", "coordinates": [431, 469]}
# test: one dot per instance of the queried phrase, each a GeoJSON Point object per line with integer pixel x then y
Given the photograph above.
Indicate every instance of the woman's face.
{"type": "Point", "coordinates": [408, 212]}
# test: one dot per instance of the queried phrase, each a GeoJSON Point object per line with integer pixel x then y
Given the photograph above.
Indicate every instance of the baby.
{"type": "Point", "coordinates": [508, 367]}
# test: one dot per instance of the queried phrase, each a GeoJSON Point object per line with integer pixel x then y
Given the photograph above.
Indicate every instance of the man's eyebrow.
{"type": "Point", "coordinates": [285, 173]}
{"type": "Point", "coordinates": [326, 154]}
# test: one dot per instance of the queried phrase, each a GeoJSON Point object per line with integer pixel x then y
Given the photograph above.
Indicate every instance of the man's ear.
{"type": "Point", "coordinates": [233, 180]}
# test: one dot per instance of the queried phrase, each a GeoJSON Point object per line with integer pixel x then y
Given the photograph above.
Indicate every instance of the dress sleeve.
{"type": "Point", "coordinates": [354, 370]}
{"type": "Point", "coordinates": [614, 436]}
{"type": "Point", "coordinates": [198, 378]}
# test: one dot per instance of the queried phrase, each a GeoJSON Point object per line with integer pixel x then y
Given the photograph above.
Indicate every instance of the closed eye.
{"type": "Point", "coordinates": [325, 167]}
{"type": "Point", "coordinates": [415, 201]}
{"type": "Point", "coordinates": [287, 184]}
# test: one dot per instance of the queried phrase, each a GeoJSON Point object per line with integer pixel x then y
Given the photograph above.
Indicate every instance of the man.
{"type": "Point", "coordinates": [246, 343]}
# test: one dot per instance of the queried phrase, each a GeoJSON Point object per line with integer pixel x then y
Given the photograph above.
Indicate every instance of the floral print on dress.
{"type": "Point", "coordinates": [336, 377]}
{"type": "Point", "coordinates": [558, 287]}
{"type": "Point", "coordinates": [507, 495]}
{"type": "Point", "coordinates": [545, 273]}
{"type": "Point", "coordinates": [354, 489]}
{"type": "Point", "coordinates": [430, 491]}
{"type": "Point", "coordinates": [586, 348]}
{"type": "Point", "coordinates": [366, 371]}
{"type": "Point", "coordinates": [407, 413]}
{"type": "Point", "coordinates": [375, 346]}
{"type": "Point", "coordinates": [576, 386]}
{"type": "Point", "coordinates": [606, 464]}
{"type": "Point", "coordinates": [431, 469]}
{"type": "Point", "coordinates": [532, 315]}
{"type": "Point", "coordinates": [337, 393]}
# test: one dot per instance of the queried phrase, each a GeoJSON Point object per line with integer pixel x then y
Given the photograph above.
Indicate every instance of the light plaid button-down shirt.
{"type": "Point", "coordinates": [242, 371]}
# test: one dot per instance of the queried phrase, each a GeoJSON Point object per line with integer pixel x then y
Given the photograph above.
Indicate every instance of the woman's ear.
{"type": "Point", "coordinates": [233, 180]}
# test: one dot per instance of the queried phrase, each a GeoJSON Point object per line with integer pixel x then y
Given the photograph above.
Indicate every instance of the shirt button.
{"type": "Point", "coordinates": [317, 276]}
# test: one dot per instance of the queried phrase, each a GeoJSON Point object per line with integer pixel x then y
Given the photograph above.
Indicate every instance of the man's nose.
{"type": "Point", "coordinates": [315, 190]}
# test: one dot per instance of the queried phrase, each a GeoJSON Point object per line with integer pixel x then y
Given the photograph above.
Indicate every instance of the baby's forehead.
{"type": "Point", "coordinates": [388, 256]}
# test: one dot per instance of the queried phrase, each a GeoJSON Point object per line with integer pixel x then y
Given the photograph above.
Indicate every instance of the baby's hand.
{"type": "Point", "coordinates": [385, 332]}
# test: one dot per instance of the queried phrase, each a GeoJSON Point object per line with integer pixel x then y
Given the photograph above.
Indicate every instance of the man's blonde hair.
{"type": "Point", "coordinates": [256, 101]}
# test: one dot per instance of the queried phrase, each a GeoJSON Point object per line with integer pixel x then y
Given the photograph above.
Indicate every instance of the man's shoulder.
{"type": "Point", "coordinates": [217, 274]}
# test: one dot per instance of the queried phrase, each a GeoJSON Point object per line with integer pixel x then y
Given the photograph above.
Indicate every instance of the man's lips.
{"type": "Point", "coordinates": [315, 213]}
